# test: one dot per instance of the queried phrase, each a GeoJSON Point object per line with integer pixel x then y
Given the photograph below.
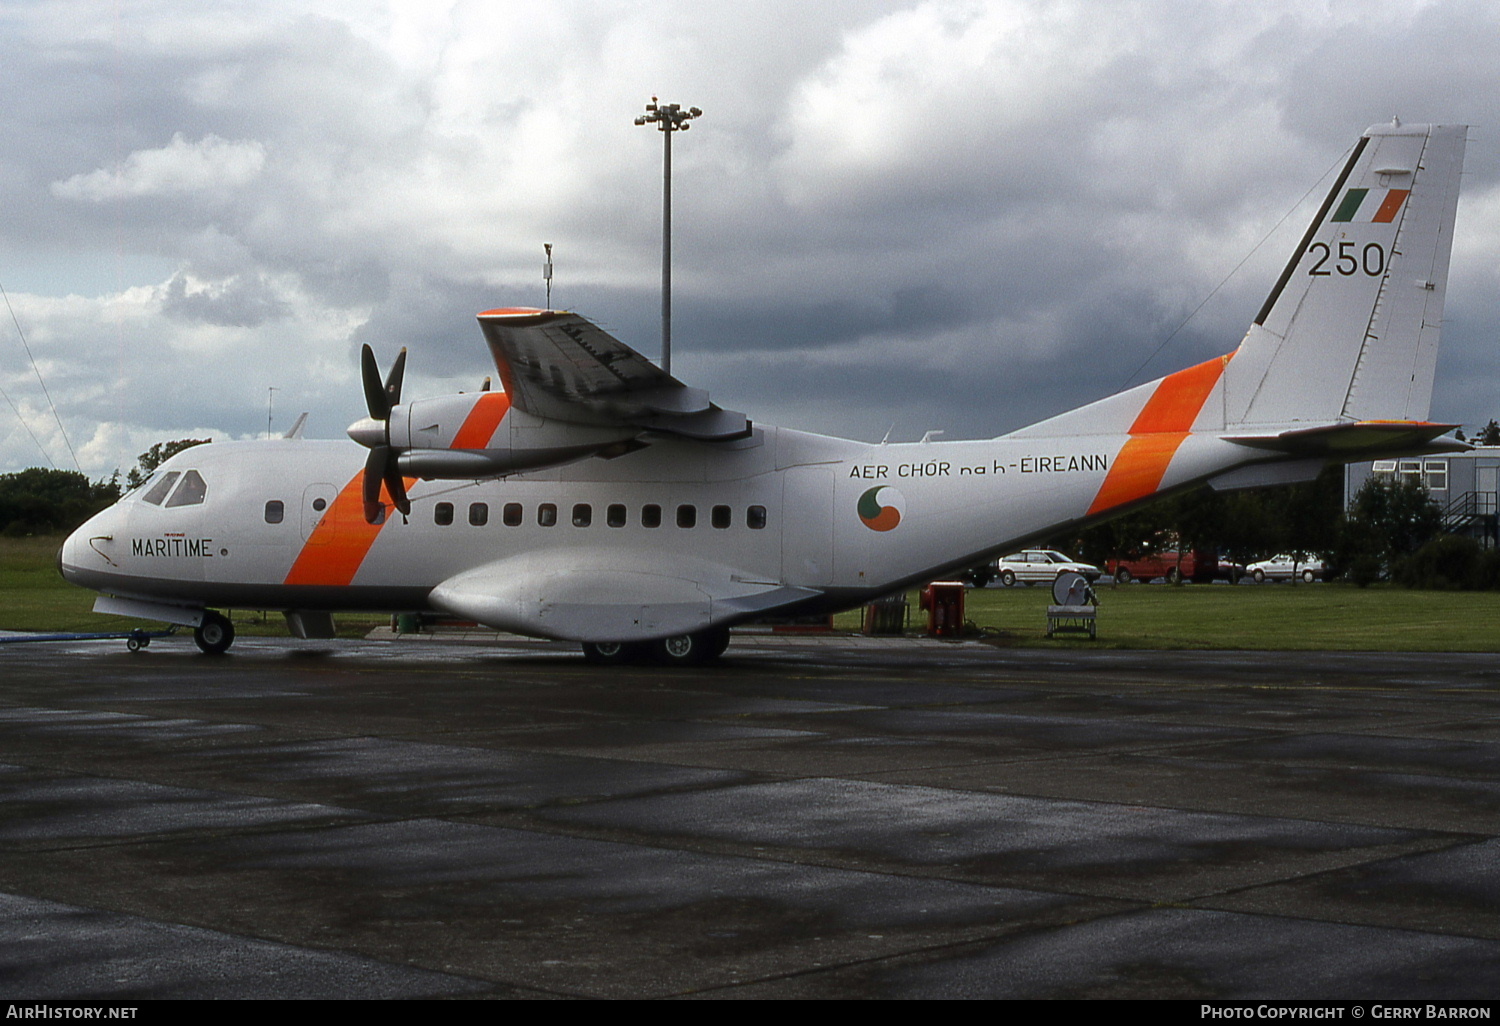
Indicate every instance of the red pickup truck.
{"type": "Point", "coordinates": [1197, 565]}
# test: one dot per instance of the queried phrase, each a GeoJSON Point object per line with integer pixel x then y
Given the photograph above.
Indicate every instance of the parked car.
{"type": "Point", "coordinates": [1284, 568]}
{"type": "Point", "coordinates": [1200, 565]}
{"type": "Point", "coordinates": [1041, 565]}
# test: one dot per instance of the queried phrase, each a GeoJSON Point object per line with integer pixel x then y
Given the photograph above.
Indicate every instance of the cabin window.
{"type": "Point", "coordinates": [651, 515]}
{"type": "Point", "coordinates": [442, 514]}
{"type": "Point", "coordinates": [755, 518]}
{"type": "Point", "coordinates": [159, 491]}
{"type": "Point", "coordinates": [583, 515]}
{"type": "Point", "coordinates": [511, 515]}
{"type": "Point", "coordinates": [687, 516]}
{"type": "Point", "coordinates": [546, 515]}
{"type": "Point", "coordinates": [275, 511]}
{"type": "Point", "coordinates": [614, 516]}
{"type": "Point", "coordinates": [721, 517]}
{"type": "Point", "coordinates": [190, 490]}
{"type": "Point", "coordinates": [479, 513]}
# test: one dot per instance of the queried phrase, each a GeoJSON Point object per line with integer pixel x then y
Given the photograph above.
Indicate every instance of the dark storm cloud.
{"type": "Point", "coordinates": [953, 215]}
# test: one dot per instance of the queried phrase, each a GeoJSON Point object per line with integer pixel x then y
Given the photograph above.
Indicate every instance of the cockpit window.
{"type": "Point", "coordinates": [190, 492]}
{"type": "Point", "coordinates": [159, 490]}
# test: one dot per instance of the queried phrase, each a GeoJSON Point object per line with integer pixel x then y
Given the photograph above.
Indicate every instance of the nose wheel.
{"type": "Point", "coordinates": [215, 634]}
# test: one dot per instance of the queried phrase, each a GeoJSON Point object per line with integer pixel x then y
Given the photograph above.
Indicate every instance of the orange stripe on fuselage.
{"type": "Point", "coordinates": [479, 426]}
{"type": "Point", "coordinates": [338, 545]}
{"type": "Point", "coordinates": [1160, 428]}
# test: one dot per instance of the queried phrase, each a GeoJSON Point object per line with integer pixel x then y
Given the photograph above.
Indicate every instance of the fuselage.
{"type": "Point", "coordinates": [279, 524]}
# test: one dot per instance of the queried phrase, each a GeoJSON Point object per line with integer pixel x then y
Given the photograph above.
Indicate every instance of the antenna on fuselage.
{"type": "Point", "coordinates": [547, 274]}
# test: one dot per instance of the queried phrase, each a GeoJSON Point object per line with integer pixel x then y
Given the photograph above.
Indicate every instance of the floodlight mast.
{"type": "Point", "coordinates": [668, 118]}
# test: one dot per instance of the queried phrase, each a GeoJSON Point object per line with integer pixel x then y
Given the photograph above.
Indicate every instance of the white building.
{"type": "Point", "coordinates": [1463, 484]}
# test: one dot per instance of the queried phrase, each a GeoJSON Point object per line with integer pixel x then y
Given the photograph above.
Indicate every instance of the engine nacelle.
{"type": "Point", "coordinates": [477, 435]}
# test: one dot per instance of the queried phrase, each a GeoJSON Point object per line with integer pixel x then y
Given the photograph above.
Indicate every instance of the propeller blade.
{"type": "Point", "coordinates": [393, 379]}
{"type": "Point", "coordinates": [375, 395]}
{"type": "Point", "coordinates": [375, 465]}
{"type": "Point", "coordinates": [396, 485]}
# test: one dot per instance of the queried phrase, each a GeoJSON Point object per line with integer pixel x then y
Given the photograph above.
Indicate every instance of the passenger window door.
{"type": "Point", "coordinates": [317, 500]}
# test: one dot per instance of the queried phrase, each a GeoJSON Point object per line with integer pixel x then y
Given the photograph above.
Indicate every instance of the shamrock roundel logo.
{"type": "Point", "coordinates": [880, 508]}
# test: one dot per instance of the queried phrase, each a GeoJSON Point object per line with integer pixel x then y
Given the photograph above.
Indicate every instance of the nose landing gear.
{"type": "Point", "coordinates": [215, 634]}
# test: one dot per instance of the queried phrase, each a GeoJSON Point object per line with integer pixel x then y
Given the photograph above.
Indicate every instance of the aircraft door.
{"type": "Point", "coordinates": [807, 526]}
{"type": "Point", "coordinates": [317, 502]}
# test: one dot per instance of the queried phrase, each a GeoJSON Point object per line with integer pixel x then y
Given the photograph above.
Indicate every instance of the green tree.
{"type": "Point", "coordinates": [1387, 521]}
{"type": "Point", "coordinates": [1490, 435]}
{"type": "Point", "coordinates": [39, 501]}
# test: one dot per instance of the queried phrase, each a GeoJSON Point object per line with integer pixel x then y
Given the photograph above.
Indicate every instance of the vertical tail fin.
{"type": "Point", "coordinates": [1350, 332]}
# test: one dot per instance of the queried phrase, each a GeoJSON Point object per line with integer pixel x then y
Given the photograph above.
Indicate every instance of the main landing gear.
{"type": "Point", "coordinates": [215, 634]}
{"type": "Point", "coordinates": [682, 650]}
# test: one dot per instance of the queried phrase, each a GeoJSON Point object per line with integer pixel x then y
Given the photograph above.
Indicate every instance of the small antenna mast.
{"type": "Point", "coordinates": [547, 272]}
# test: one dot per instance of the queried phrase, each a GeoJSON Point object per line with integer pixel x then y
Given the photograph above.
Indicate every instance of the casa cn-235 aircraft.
{"type": "Point", "coordinates": [597, 499]}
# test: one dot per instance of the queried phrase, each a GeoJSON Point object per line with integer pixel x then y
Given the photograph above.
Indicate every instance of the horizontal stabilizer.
{"type": "Point", "coordinates": [1347, 442]}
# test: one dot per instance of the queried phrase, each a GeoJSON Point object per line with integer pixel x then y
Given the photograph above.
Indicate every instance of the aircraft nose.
{"type": "Point", "coordinates": [67, 557]}
{"type": "Point", "coordinates": [368, 432]}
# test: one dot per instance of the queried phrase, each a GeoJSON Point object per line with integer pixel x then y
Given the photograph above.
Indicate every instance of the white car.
{"type": "Point", "coordinates": [1284, 568]}
{"type": "Point", "coordinates": [1040, 565]}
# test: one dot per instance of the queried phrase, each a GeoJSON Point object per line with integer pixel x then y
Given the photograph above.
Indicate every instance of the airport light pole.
{"type": "Point", "coordinates": [668, 118]}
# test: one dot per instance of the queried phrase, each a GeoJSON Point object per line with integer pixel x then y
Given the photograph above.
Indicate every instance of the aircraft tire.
{"type": "Point", "coordinates": [215, 634]}
{"type": "Point", "coordinates": [691, 649]}
{"type": "Point", "coordinates": [610, 653]}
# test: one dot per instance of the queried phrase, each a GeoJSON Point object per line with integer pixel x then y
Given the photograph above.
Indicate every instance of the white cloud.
{"type": "Point", "coordinates": [209, 166]}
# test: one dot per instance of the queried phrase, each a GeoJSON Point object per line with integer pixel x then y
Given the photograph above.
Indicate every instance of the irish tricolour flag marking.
{"type": "Point", "coordinates": [1371, 206]}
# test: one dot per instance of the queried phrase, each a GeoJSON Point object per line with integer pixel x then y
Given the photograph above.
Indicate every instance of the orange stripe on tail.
{"type": "Point", "coordinates": [1160, 428]}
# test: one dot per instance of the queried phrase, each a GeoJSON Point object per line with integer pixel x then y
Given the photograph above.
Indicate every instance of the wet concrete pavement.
{"type": "Point", "coordinates": [812, 818]}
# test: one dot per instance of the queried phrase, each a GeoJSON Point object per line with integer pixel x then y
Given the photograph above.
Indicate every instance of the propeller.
{"type": "Point", "coordinates": [380, 465]}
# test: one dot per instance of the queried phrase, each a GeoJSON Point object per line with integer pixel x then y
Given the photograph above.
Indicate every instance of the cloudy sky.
{"type": "Point", "coordinates": [893, 216]}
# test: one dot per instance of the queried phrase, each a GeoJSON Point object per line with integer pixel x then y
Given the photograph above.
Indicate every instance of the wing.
{"type": "Point", "coordinates": [608, 595]}
{"type": "Point", "coordinates": [561, 366]}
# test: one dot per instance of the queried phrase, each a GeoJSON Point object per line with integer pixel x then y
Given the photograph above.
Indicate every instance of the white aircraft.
{"type": "Point", "coordinates": [597, 499]}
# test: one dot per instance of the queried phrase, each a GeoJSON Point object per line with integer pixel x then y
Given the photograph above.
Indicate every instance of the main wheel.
{"type": "Point", "coordinates": [691, 649]}
{"type": "Point", "coordinates": [610, 653]}
{"type": "Point", "coordinates": [215, 634]}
